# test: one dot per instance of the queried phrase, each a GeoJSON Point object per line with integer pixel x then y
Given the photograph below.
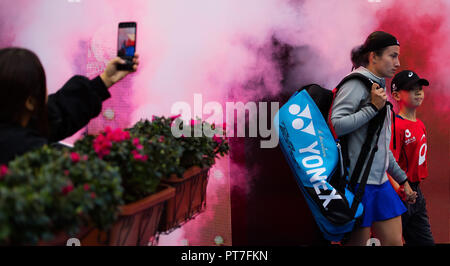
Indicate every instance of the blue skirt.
{"type": "Point", "coordinates": [380, 202]}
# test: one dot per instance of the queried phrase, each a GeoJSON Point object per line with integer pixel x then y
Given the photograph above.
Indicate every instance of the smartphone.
{"type": "Point", "coordinates": [126, 44]}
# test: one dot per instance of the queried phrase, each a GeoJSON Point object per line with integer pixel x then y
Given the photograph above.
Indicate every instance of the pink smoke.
{"type": "Point", "coordinates": [423, 30]}
{"type": "Point", "coordinates": [219, 48]}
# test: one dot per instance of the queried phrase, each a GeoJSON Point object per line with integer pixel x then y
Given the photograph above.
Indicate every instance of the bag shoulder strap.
{"type": "Point", "coordinates": [374, 129]}
{"type": "Point", "coordinates": [365, 80]}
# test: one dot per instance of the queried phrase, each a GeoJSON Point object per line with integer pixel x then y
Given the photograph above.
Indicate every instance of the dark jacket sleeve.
{"type": "Point", "coordinates": [74, 105]}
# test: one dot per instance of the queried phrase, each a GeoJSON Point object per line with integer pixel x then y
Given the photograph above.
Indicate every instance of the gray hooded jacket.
{"type": "Point", "coordinates": [351, 112]}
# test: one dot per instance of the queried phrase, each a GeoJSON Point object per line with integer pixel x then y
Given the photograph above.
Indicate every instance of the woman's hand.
{"type": "Point", "coordinates": [111, 75]}
{"type": "Point", "coordinates": [411, 195]}
{"type": "Point", "coordinates": [378, 96]}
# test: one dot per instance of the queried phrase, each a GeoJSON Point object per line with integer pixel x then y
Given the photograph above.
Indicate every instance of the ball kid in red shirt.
{"type": "Point", "coordinates": [409, 147]}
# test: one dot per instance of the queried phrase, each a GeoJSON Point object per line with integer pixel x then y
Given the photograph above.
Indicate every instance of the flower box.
{"type": "Point", "coordinates": [137, 223]}
{"type": "Point", "coordinates": [189, 201]}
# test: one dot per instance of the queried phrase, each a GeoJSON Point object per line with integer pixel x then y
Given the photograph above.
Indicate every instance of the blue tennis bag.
{"type": "Point", "coordinates": [319, 160]}
{"type": "Point", "coordinates": [316, 161]}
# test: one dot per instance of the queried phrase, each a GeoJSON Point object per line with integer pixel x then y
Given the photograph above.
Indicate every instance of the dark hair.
{"type": "Point", "coordinates": [376, 42]}
{"type": "Point", "coordinates": [22, 76]}
{"type": "Point", "coordinates": [360, 57]}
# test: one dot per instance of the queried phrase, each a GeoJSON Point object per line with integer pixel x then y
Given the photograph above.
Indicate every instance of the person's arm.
{"type": "Point", "coordinates": [395, 171]}
{"type": "Point", "coordinates": [400, 177]}
{"type": "Point", "coordinates": [344, 117]}
{"type": "Point", "coordinates": [74, 105]}
{"type": "Point", "coordinates": [80, 100]}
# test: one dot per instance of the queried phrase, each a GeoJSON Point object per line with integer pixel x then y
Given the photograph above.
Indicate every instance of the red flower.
{"type": "Point", "coordinates": [161, 139]}
{"type": "Point", "coordinates": [217, 139]}
{"type": "Point", "coordinates": [86, 187]}
{"type": "Point", "coordinates": [136, 141]}
{"type": "Point", "coordinates": [66, 172]}
{"type": "Point", "coordinates": [108, 130]}
{"type": "Point", "coordinates": [117, 135]}
{"type": "Point", "coordinates": [102, 145]}
{"type": "Point", "coordinates": [67, 189]}
{"type": "Point", "coordinates": [139, 157]}
{"type": "Point", "coordinates": [174, 117]}
{"type": "Point", "coordinates": [93, 195]}
{"type": "Point", "coordinates": [3, 171]}
{"type": "Point", "coordinates": [126, 135]}
{"type": "Point", "coordinates": [85, 158]}
{"type": "Point", "coordinates": [75, 157]}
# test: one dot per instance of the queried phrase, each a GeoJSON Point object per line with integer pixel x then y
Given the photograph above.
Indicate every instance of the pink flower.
{"type": "Point", "coordinates": [3, 171]}
{"type": "Point", "coordinates": [75, 157]}
{"type": "Point", "coordinates": [161, 139]}
{"type": "Point", "coordinates": [105, 153]}
{"type": "Point", "coordinates": [67, 189]}
{"type": "Point", "coordinates": [85, 158]}
{"type": "Point", "coordinates": [139, 157]}
{"type": "Point", "coordinates": [137, 143]}
{"type": "Point", "coordinates": [86, 187]}
{"type": "Point", "coordinates": [66, 172]}
{"type": "Point", "coordinates": [116, 135]}
{"type": "Point", "coordinates": [102, 146]}
{"type": "Point", "coordinates": [126, 135]}
{"type": "Point", "coordinates": [174, 117]}
{"type": "Point", "coordinates": [108, 129]}
{"type": "Point", "coordinates": [217, 139]}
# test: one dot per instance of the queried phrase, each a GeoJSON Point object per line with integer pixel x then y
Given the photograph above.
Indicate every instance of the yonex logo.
{"type": "Point", "coordinates": [312, 159]}
{"type": "Point", "coordinates": [314, 162]}
{"type": "Point", "coordinates": [299, 123]}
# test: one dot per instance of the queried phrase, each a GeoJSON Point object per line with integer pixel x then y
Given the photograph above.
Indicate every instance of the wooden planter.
{"type": "Point", "coordinates": [137, 224]}
{"type": "Point", "coordinates": [189, 200]}
{"type": "Point", "coordinates": [61, 238]}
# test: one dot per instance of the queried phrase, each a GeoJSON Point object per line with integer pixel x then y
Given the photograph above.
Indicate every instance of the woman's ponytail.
{"type": "Point", "coordinates": [359, 57]}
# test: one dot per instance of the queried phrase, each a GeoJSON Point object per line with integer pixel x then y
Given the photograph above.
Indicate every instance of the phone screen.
{"type": "Point", "coordinates": [127, 40]}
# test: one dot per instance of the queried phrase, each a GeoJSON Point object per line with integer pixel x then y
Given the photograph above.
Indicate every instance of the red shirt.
{"type": "Point", "coordinates": [411, 148]}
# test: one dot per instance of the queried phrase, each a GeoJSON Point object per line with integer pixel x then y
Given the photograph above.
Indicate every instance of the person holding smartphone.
{"type": "Point", "coordinates": [30, 118]}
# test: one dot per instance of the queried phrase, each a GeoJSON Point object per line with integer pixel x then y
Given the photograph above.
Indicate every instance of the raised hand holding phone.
{"type": "Point", "coordinates": [127, 59]}
{"type": "Point", "coordinates": [126, 44]}
{"type": "Point", "coordinates": [112, 74]}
